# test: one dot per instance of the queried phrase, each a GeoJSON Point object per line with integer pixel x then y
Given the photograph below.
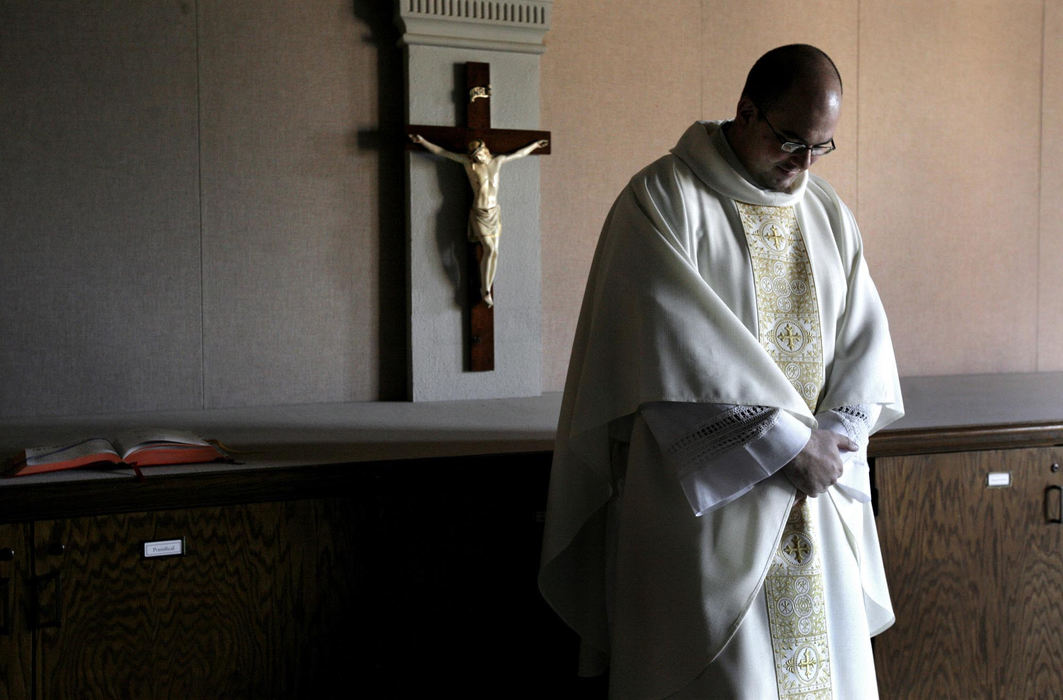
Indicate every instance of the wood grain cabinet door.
{"type": "Point", "coordinates": [973, 548]}
{"type": "Point", "coordinates": [252, 608]}
{"type": "Point", "coordinates": [16, 638]}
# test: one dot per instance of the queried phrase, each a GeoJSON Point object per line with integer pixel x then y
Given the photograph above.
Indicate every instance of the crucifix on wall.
{"type": "Point", "coordinates": [474, 146]}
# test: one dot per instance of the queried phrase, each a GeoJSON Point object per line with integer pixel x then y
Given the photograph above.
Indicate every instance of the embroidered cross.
{"type": "Point", "coordinates": [805, 666]}
{"type": "Point", "coordinates": [778, 240]}
{"type": "Point", "coordinates": [798, 549]}
{"type": "Point", "coordinates": [789, 336]}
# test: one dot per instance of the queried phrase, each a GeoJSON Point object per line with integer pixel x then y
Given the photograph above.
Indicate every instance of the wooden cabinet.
{"type": "Point", "coordinates": [398, 579]}
{"type": "Point", "coordinates": [417, 578]}
{"type": "Point", "coordinates": [975, 568]}
{"type": "Point", "coordinates": [235, 616]}
{"type": "Point", "coordinates": [254, 608]}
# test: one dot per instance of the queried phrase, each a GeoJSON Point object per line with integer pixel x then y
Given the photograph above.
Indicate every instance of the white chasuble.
{"type": "Point", "coordinates": [661, 596]}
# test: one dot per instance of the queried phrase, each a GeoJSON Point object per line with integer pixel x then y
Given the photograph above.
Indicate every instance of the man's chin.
{"type": "Point", "coordinates": [778, 180]}
{"type": "Point", "coordinates": [787, 182]}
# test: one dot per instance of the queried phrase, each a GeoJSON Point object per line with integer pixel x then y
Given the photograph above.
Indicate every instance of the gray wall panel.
{"type": "Point", "coordinates": [288, 203]}
{"type": "Point", "coordinates": [100, 271]}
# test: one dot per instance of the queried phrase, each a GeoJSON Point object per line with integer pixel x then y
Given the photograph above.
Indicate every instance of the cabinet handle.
{"type": "Point", "coordinates": [1057, 508]}
{"type": "Point", "coordinates": [6, 624]}
{"type": "Point", "coordinates": [54, 581]}
{"type": "Point", "coordinates": [5, 607]}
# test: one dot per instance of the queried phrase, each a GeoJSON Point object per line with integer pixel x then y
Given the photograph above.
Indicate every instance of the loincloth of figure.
{"type": "Point", "coordinates": [484, 223]}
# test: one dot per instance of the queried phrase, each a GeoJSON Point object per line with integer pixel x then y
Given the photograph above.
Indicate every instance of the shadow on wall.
{"type": "Point", "coordinates": [388, 140]}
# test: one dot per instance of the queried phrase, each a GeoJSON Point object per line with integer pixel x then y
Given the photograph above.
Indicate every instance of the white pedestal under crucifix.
{"type": "Point", "coordinates": [451, 352]}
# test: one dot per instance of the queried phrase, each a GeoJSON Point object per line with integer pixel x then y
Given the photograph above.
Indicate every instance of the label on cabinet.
{"type": "Point", "coordinates": [164, 548]}
{"type": "Point", "coordinates": [998, 480]}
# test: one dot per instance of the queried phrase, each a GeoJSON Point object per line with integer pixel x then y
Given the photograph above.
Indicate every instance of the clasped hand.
{"type": "Point", "coordinates": [819, 464]}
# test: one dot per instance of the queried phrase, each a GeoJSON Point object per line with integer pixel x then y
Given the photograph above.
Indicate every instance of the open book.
{"type": "Point", "coordinates": [135, 448]}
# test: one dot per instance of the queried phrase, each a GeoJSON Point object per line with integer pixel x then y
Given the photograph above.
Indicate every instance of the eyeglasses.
{"type": "Point", "coordinates": [796, 146]}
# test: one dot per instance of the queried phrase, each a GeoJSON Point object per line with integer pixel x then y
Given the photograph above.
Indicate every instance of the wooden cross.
{"type": "Point", "coordinates": [481, 323]}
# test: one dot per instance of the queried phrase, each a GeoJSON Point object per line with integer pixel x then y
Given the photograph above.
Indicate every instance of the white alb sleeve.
{"type": "Point", "coordinates": [854, 422]}
{"type": "Point", "coordinates": [721, 451]}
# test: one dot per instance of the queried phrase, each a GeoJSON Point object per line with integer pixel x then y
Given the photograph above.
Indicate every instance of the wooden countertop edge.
{"type": "Point", "coordinates": [169, 491]}
{"type": "Point", "coordinates": [962, 438]}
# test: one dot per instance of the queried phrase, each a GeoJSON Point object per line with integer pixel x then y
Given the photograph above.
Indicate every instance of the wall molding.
{"type": "Point", "coordinates": [499, 25]}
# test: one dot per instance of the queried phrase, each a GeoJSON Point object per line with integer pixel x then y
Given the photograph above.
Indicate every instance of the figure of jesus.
{"type": "Point", "coordinates": [485, 224]}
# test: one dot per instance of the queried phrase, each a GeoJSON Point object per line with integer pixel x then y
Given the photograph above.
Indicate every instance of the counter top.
{"type": "Point", "coordinates": [352, 433]}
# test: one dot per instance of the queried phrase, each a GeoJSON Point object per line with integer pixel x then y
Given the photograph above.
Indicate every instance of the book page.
{"type": "Point", "coordinates": [70, 451]}
{"type": "Point", "coordinates": [147, 447]}
{"type": "Point", "coordinates": [130, 440]}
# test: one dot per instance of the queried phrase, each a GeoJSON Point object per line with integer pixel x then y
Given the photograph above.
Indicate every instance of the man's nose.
{"type": "Point", "coordinates": [804, 159]}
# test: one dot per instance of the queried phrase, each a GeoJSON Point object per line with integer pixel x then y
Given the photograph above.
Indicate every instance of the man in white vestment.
{"type": "Point", "coordinates": [709, 530]}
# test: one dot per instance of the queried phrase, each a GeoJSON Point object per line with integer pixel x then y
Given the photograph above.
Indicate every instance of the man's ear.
{"type": "Point", "coordinates": [747, 112]}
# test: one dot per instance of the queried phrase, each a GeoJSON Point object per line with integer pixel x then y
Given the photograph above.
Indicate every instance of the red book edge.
{"type": "Point", "coordinates": [147, 456]}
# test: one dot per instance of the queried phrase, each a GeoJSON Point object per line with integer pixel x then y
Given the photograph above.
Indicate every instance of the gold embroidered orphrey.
{"type": "Point", "coordinates": [790, 331]}
{"type": "Point", "coordinates": [787, 310]}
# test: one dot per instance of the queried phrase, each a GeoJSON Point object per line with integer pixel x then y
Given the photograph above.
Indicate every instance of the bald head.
{"type": "Point", "coordinates": [790, 104]}
{"type": "Point", "coordinates": [795, 68]}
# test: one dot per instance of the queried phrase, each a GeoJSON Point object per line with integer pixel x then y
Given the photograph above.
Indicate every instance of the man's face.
{"type": "Point", "coordinates": [481, 155]}
{"type": "Point", "coordinates": [805, 119]}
